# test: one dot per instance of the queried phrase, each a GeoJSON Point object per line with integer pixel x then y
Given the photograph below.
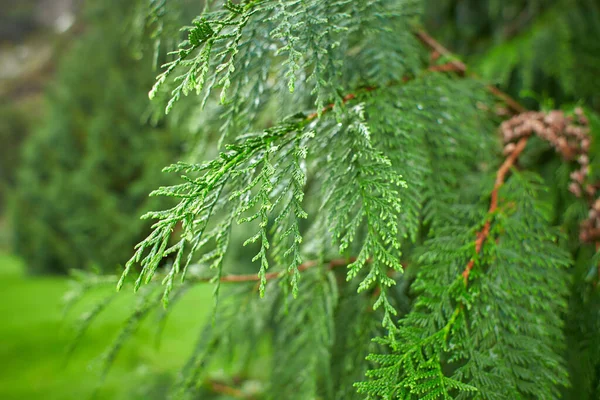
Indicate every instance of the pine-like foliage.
{"type": "Point", "coordinates": [344, 143]}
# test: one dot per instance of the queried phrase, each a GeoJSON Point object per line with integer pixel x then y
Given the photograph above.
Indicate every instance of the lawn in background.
{"type": "Point", "coordinates": [34, 337]}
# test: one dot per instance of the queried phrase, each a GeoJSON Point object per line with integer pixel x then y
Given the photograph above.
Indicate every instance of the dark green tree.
{"type": "Point", "coordinates": [87, 171]}
{"type": "Point", "coordinates": [418, 233]}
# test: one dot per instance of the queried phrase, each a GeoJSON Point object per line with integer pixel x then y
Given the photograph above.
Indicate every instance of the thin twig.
{"type": "Point", "coordinates": [218, 387]}
{"type": "Point", "coordinates": [460, 67]}
{"type": "Point", "coordinates": [338, 262]}
{"type": "Point", "coordinates": [433, 44]}
{"type": "Point", "coordinates": [483, 234]}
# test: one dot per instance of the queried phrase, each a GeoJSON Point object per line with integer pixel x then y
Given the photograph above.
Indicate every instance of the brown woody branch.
{"type": "Point", "coordinates": [338, 262]}
{"type": "Point", "coordinates": [483, 234]}
{"type": "Point", "coordinates": [218, 387]}
{"type": "Point", "coordinates": [461, 68]}
{"type": "Point", "coordinates": [440, 50]}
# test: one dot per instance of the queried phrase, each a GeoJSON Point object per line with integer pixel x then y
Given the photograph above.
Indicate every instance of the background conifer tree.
{"type": "Point", "coordinates": [401, 247]}
{"type": "Point", "coordinates": [89, 167]}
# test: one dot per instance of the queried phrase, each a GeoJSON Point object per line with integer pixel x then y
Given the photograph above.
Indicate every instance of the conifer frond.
{"type": "Point", "coordinates": [386, 43]}
{"type": "Point", "coordinates": [517, 325]}
{"type": "Point", "coordinates": [215, 36]}
{"type": "Point", "coordinates": [550, 49]}
{"type": "Point", "coordinates": [544, 47]}
{"type": "Point", "coordinates": [157, 20]}
{"type": "Point", "coordinates": [163, 313]}
{"type": "Point", "coordinates": [83, 285]}
{"type": "Point", "coordinates": [354, 329]}
{"type": "Point", "coordinates": [315, 46]}
{"type": "Point", "coordinates": [286, 12]}
{"type": "Point", "coordinates": [429, 128]}
{"type": "Point", "coordinates": [224, 187]}
{"type": "Point", "coordinates": [250, 90]}
{"type": "Point", "coordinates": [364, 188]}
{"type": "Point", "coordinates": [289, 197]}
{"type": "Point", "coordinates": [261, 178]}
{"type": "Point", "coordinates": [581, 327]}
{"type": "Point", "coordinates": [236, 334]}
{"type": "Point", "coordinates": [302, 343]}
{"type": "Point", "coordinates": [147, 302]}
{"type": "Point", "coordinates": [478, 330]}
{"type": "Point", "coordinates": [85, 321]}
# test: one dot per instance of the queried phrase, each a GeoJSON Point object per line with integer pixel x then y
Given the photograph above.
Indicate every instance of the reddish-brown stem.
{"type": "Point", "coordinates": [439, 49]}
{"type": "Point", "coordinates": [460, 67]}
{"type": "Point", "coordinates": [483, 234]}
{"type": "Point", "coordinates": [447, 67]}
{"type": "Point", "coordinates": [509, 101]}
{"type": "Point", "coordinates": [451, 66]}
{"type": "Point", "coordinates": [218, 387]}
{"type": "Point", "coordinates": [338, 262]}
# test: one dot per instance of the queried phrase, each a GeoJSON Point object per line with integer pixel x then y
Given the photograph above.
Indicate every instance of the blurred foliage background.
{"type": "Point", "coordinates": [81, 148]}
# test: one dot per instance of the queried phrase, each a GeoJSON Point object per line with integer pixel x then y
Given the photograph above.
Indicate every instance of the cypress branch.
{"type": "Point", "coordinates": [347, 147]}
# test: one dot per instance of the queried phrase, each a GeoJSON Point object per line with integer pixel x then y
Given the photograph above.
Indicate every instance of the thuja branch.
{"type": "Point", "coordinates": [461, 68]}
{"type": "Point", "coordinates": [569, 137]}
{"type": "Point", "coordinates": [451, 66]}
{"type": "Point", "coordinates": [216, 176]}
{"type": "Point", "coordinates": [454, 65]}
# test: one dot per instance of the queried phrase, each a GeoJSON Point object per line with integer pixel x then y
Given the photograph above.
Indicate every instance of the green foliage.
{"type": "Point", "coordinates": [500, 337]}
{"type": "Point", "coordinates": [528, 47]}
{"type": "Point", "coordinates": [339, 147]}
{"type": "Point", "coordinates": [313, 34]}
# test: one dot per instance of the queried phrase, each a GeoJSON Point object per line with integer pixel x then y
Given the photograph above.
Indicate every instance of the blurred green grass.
{"type": "Point", "coordinates": [34, 338]}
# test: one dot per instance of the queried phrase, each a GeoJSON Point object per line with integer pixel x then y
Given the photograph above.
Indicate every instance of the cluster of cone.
{"type": "Point", "coordinates": [569, 135]}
